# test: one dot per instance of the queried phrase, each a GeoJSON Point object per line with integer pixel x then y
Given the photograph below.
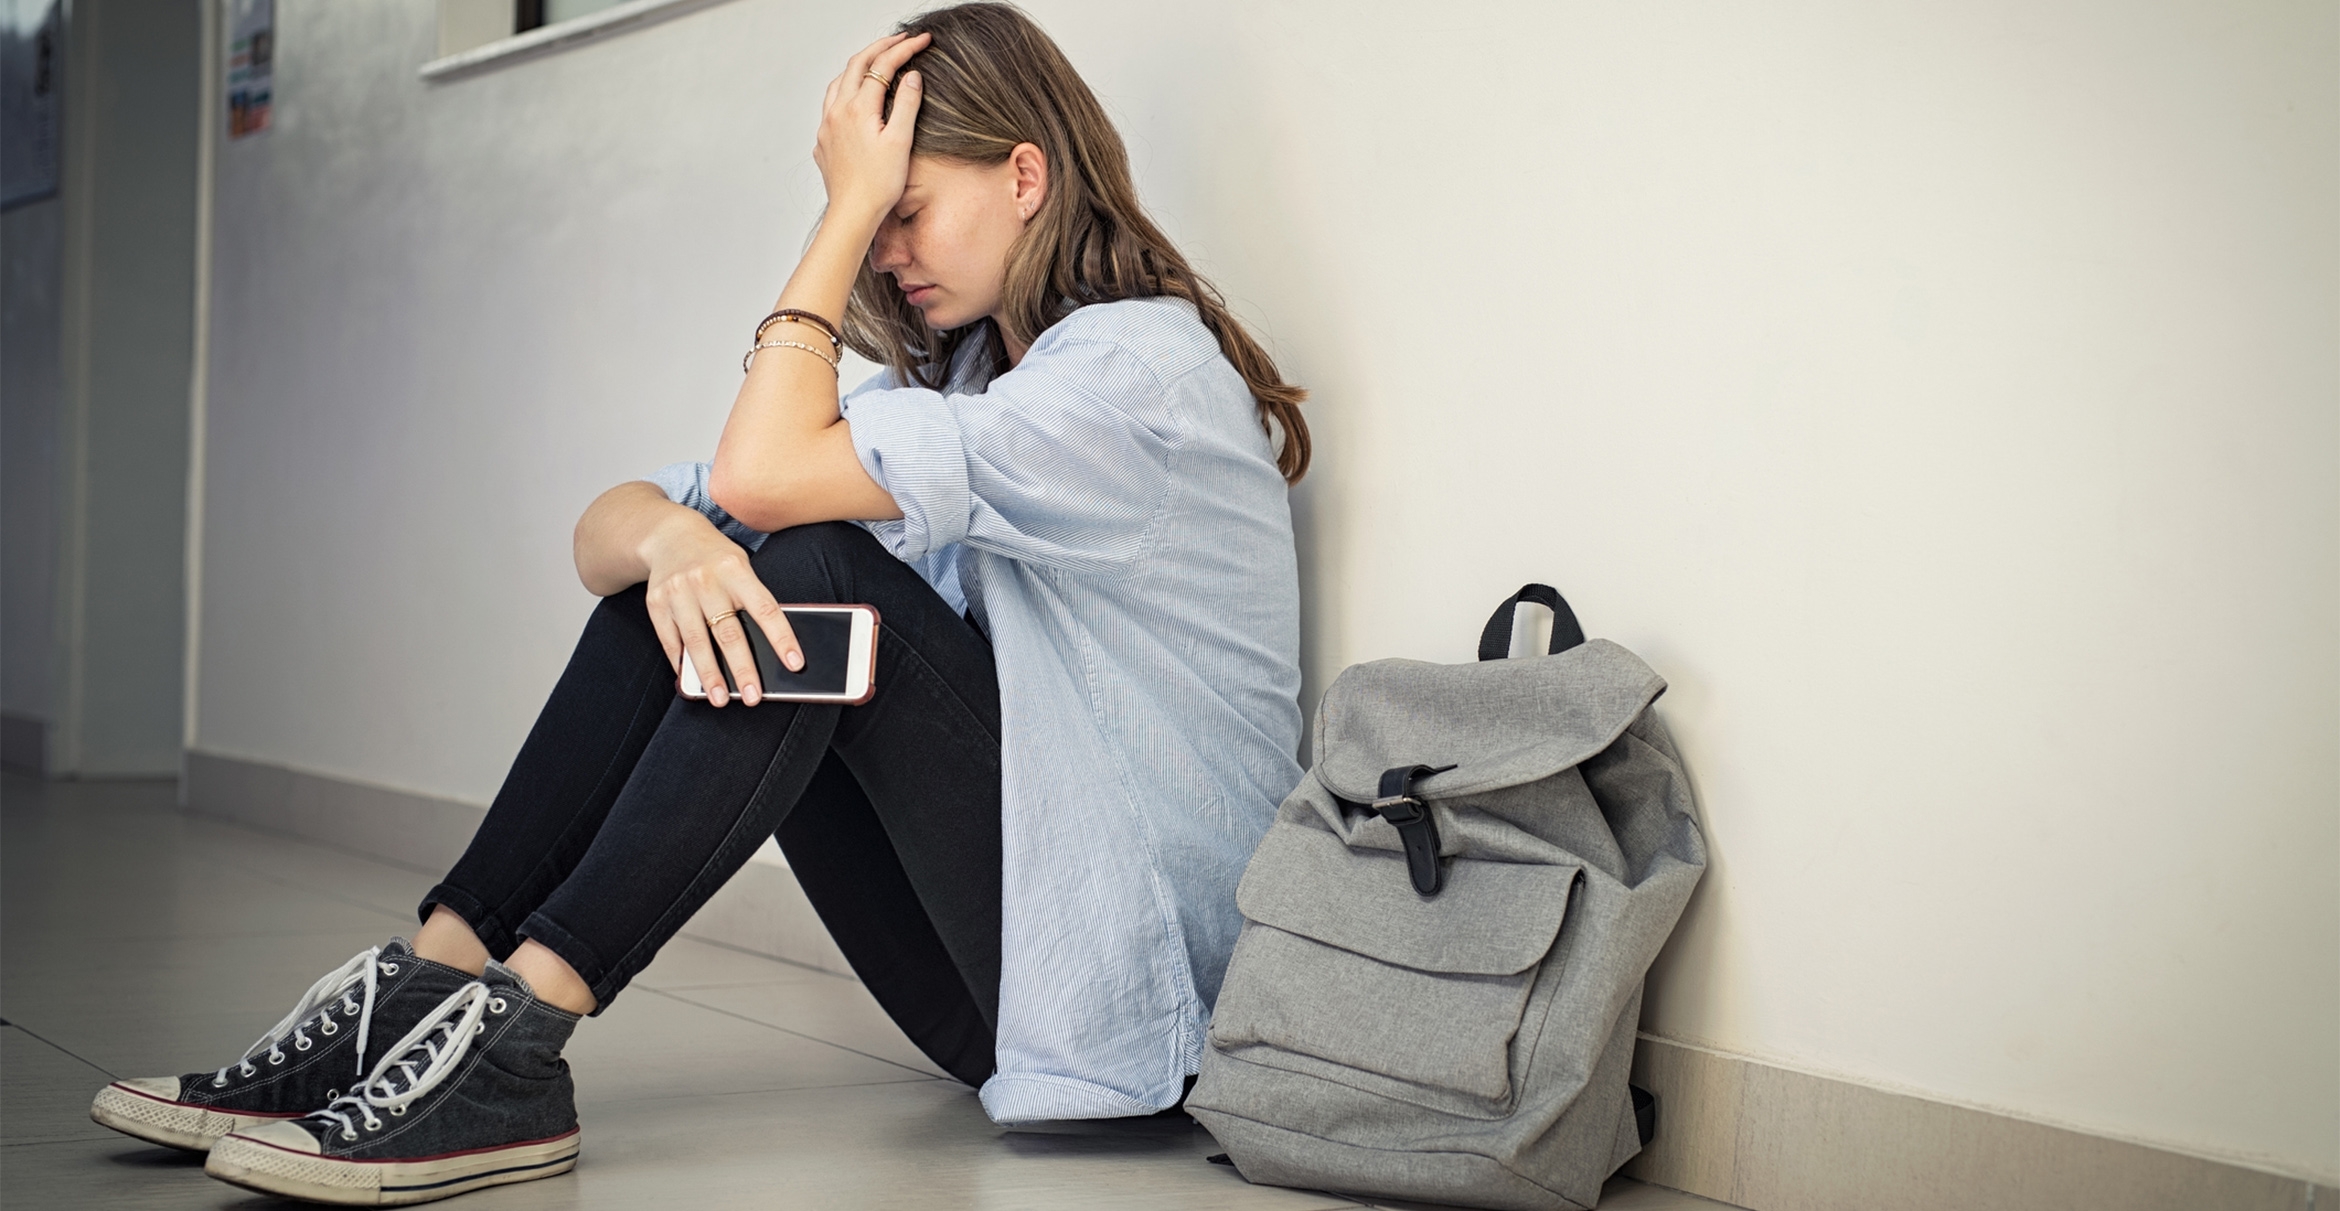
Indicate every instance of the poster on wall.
{"type": "Point", "coordinates": [31, 52]}
{"type": "Point", "coordinates": [250, 65]}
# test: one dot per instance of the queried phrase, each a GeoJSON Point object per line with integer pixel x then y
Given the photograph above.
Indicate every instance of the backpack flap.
{"type": "Point", "coordinates": [1374, 978]}
{"type": "Point", "coordinates": [1498, 723]}
{"type": "Point", "coordinates": [1494, 918]}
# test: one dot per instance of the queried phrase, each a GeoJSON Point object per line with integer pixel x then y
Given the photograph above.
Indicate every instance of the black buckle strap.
{"type": "Point", "coordinates": [1416, 827]}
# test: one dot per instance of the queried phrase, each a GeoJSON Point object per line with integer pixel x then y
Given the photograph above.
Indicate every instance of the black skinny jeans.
{"type": "Point", "coordinates": [629, 805]}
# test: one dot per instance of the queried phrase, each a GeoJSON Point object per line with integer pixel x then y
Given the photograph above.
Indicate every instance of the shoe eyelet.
{"type": "Point", "coordinates": [398, 1112]}
{"type": "Point", "coordinates": [348, 1134]}
{"type": "Point", "coordinates": [375, 1125]}
{"type": "Point", "coordinates": [246, 1070]}
{"type": "Point", "coordinates": [389, 969]}
{"type": "Point", "coordinates": [495, 1004]}
{"type": "Point", "coordinates": [332, 1096]}
{"type": "Point", "coordinates": [329, 1026]}
{"type": "Point", "coordinates": [219, 1082]}
{"type": "Point", "coordinates": [302, 1044]}
{"type": "Point", "coordinates": [478, 1027]}
{"type": "Point", "coordinates": [275, 1057]}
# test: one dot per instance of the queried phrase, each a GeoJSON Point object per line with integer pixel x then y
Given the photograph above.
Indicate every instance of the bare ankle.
{"type": "Point", "coordinates": [447, 939]}
{"type": "Point", "coordinates": [551, 978]}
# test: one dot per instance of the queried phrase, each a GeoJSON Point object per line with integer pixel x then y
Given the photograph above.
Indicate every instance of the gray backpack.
{"type": "Point", "coordinates": [1438, 983]}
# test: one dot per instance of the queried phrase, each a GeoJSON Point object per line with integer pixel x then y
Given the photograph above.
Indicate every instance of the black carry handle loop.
{"type": "Point", "coordinates": [1495, 641]}
{"type": "Point", "coordinates": [1416, 827]}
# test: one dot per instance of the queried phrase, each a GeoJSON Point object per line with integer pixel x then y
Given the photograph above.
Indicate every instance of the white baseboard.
{"type": "Point", "coordinates": [1756, 1135]}
{"type": "Point", "coordinates": [761, 910]}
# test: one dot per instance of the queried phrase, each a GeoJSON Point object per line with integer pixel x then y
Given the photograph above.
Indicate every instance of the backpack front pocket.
{"type": "Point", "coordinates": [1371, 976]}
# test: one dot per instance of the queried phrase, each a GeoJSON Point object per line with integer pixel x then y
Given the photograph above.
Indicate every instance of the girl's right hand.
{"type": "Point", "coordinates": [864, 157]}
{"type": "Point", "coordinates": [700, 583]}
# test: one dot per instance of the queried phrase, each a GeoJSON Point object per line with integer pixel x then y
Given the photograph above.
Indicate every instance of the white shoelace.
{"type": "Point", "coordinates": [456, 1018]}
{"type": "Point", "coordinates": [340, 984]}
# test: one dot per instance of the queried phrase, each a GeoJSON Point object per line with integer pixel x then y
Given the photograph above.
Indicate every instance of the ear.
{"type": "Point", "coordinates": [1031, 167]}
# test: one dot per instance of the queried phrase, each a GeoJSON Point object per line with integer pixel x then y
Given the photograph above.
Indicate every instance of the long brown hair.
{"type": "Point", "coordinates": [994, 79]}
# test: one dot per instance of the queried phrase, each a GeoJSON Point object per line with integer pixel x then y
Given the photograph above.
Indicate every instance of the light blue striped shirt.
{"type": "Point", "coordinates": [1111, 512]}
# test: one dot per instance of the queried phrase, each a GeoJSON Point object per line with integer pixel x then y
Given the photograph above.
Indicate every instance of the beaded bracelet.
{"type": "Point", "coordinates": [807, 318]}
{"type": "Point", "coordinates": [750, 359]}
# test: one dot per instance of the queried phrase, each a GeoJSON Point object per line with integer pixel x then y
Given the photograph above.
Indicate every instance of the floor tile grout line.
{"type": "Point", "coordinates": [331, 850]}
{"type": "Point", "coordinates": [337, 897]}
{"type": "Point", "coordinates": [236, 825]}
{"type": "Point", "coordinates": [5, 1145]}
{"type": "Point", "coordinates": [642, 1099]}
{"type": "Point", "coordinates": [798, 1033]}
{"type": "Point", "coordinates": [18, 1024]}
{"type": "Point", "coordinates": [221, 938]}
{"type": "Point", "coordinates": [233, 825]}
{"type": "Point", "coordinates": [781, 983]}
{"type": "Point", "coordinates": [229, 822]}
{"type": "Point", "coordinates": [769, 958]}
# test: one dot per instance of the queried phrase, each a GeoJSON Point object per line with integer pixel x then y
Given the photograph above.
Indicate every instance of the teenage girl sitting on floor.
{"type": "Point", "coordinates": [1066, 496]}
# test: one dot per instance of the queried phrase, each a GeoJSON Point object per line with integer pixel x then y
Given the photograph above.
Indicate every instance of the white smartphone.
{"type": "Point", "coordinates": [839, 643]}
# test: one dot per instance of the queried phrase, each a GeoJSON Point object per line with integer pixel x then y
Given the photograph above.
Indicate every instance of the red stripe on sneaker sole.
{"type": "Point", "coordinates": [290, 1172]}
{"type": "Point", "coordinates": [422, 1160]}
{"type": "Point", "coordinates": [565, 1159]}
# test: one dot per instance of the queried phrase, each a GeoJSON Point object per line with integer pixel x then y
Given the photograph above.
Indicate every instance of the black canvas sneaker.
{"type": "Point", "coordinates": [475, 1095]}
{"type": "Point", "coordinates": [325, 1046]}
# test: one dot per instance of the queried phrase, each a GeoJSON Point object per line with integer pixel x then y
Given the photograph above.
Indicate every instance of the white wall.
{"type": "Point", "coordinates": [1943, 397]}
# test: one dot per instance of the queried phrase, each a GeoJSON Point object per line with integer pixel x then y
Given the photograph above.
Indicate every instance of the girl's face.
{"type": "Point", "coordinates": [946, 241]}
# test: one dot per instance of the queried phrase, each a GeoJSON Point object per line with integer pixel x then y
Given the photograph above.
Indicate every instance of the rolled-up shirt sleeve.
{"type": "Point", "coordinates": [1062, 462]}
{"type": "Point", "coordinates": [686, 484]}
{"type": "Point", "coordinates": [910, 442]}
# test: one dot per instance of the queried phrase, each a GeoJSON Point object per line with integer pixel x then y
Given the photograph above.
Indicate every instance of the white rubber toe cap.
{"type": "Point", "coordinates": [164, 1087]}
{"type": "Point", "coordinates": [287, 1135]}
{"type": "Point", "coordinates": [149, 1108]}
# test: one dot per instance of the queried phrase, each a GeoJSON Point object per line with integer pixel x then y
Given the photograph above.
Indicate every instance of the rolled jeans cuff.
{"type": "Point", "coordinates": [604, 983]}
{"type": "Point", "coordinates": [491, 932]}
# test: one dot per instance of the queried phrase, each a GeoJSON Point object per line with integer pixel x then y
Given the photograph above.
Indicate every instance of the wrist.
{"type": "Point", "coordinates": [854, 217]}
{"type": "Point", "coordinates": [672, 527]}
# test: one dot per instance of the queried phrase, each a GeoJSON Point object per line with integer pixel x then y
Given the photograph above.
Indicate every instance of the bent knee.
{"type": "Point", "coordinates": [808, 562]}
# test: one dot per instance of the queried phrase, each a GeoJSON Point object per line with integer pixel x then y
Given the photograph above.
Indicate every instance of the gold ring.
{"type": "Point", "coordinates": [882, 81]}
{"type": "Point", "coordinates": [712, 619]}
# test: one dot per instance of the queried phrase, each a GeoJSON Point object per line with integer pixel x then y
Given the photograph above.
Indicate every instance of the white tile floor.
{"type": "Point", "coordinates": [136, 940]}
